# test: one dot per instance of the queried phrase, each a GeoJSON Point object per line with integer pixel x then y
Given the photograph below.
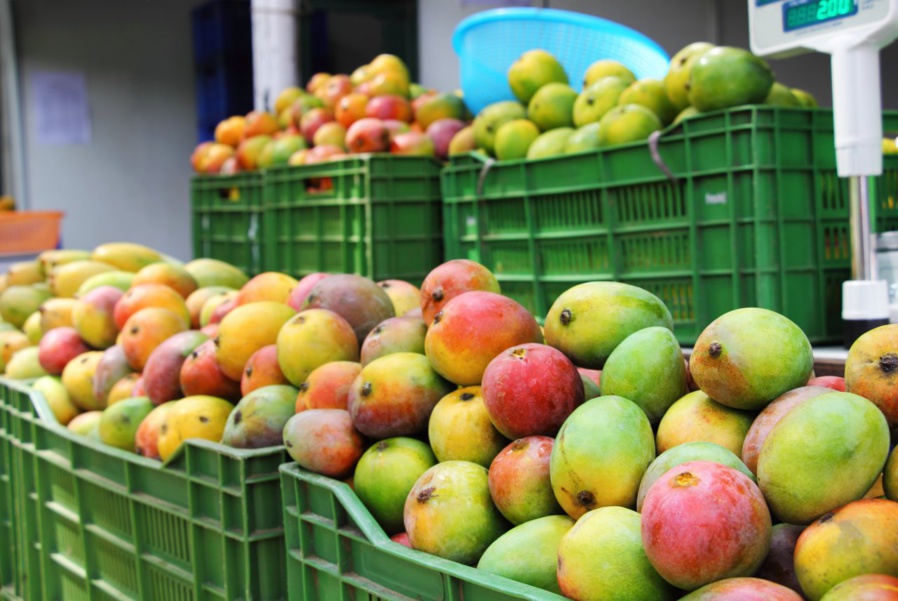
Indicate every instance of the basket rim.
{"type": "Point", "coordinates": [554, 15]}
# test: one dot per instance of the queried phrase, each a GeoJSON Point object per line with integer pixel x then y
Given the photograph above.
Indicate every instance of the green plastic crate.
{"type": "Point", "coordinates": [106, 524]}
{"type": "Point", "coordinates": [336, 551]}
{"type": "Point", "coordinates": [227, 219]}
{"type": "Point", "coordinates": [754, 215]}
{"type": "Point", "coordinates": [12, 582]}
{"type": "Point", "coordinates": [381, 217]}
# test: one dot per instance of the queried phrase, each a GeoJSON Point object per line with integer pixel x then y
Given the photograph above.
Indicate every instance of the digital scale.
{"type": "Point", "coordinates": [852, 32]}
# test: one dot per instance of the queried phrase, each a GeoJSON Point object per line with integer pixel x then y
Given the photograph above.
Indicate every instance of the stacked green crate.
{"type": "Point", "coordinates": [750, 212]}
{"type": "Point", "coordinates": [113, 525]}
{"type": "Point", "coordinates": [375, 215]}
{"type": "Point", "coordinates": [227, 219]}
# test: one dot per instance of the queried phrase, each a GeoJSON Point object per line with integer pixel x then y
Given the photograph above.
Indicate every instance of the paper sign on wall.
{"type": "Point", "coordinates": [59, 107]}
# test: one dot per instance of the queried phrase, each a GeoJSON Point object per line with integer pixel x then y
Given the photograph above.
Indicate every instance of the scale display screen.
{"type": "Point", "coordinates": [799, 14]}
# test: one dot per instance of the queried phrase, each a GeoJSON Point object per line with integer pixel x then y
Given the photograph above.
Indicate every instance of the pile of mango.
{"type": "Point", "coordinates": [586, 456]}
{"type": "Point", "coordinates": [375, 109]}
{"type": "Point", "coordinates": [550, 118]}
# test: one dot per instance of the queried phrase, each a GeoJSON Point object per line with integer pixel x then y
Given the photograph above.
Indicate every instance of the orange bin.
{"type": "Point", "coordinates": [29, 231]}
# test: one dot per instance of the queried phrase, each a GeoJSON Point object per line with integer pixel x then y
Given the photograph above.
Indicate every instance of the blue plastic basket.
{"type": "Point", "coordinates": [489, 42]}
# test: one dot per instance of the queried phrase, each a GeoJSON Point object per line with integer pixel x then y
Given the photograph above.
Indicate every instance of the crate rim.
{"type": "Point", "coordinates": [377, 537]}
{"type": "Point", "coordinates": [45, 415]}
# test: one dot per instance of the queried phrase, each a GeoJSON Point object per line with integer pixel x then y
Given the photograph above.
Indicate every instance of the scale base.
{"type": "Point", "coordinates": [865, 305]}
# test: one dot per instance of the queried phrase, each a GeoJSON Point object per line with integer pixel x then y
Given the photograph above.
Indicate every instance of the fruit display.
{"type": "Point", "coordinates": [550, 118]}
{"type": "Point", "coordinates": [376, 109]}
{"type": "Point", "coordinates": [586, 457]}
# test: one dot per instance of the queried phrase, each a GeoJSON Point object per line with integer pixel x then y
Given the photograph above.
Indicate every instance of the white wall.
{"type": "Point", "coordinates": [132, 181]}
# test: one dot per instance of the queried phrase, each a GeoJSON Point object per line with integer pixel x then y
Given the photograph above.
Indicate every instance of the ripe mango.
{"type": "Point", "coordinates": [65, 280]}
{"type": "Point", "coordinates": [245, 330]}
{"type": "Point", "coordinates": [259, 418]}
{"type": "Point", "coordinates": [53, 258]}
{"type": "Point", "coordinates": [821, 455]}
{"type": "Point", "coordinates": [117, 279]}
{"type": "Point", "coordinates": [126, 256]}
{"type": "Point", "coordinates": [57, 313]}
{"type": "Point", "coordinates": [25, 365]}
{"type": "Point", "coordinates": [588, 321]}
{"type": "Point", "coordinates": [24, 273]}
{"type": "Point", "coordinates": [57, 397]}
{"type": "Point", "coordinates": [201, 417]}
{"type": "Point", "coordinates": [211, 272]}
{"type": "Point", "coordinates": [17, 303]}
{"type": "Point", "coordinates": [119, 423]}
{"type": "Point", "coordinates": [746, 358]}
{"type": "Point", "coordinates": [78, 376]}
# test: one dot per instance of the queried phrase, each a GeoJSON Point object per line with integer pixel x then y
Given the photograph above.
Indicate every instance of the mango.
{"type": "Point", "coordinates": [11, 342]}
{"type": "Point", "coordinates": [149, 295]}
{"type": "Point", "coordinates": [394, 335]}
{"type": "Point", "coordinates": [491, 118]}
{"type": "Point", "coordinates": [247, 329]}
{"type": "Point", "coordinates": [744, 588]}
{"type": "Point", "coordinates": [145, 331]}
{"type": "Point", "coordinates": [838, 438]}
{"type": "Point", "coordinates": [146, 441]}
{"type": "Point", "coordinates": [94, 316]}
{"type": "Point", "coordinates": [175, 277]}
{"type": "Point", "coordinates": [460, 428]}
{"type": "Point", "coordinates": [677, 79]}
{"type": "Point", "coordinates": [124, 388]}
{"type": "Point", "coordinates": [25, 365]}
{"type": "Point", "coordinates": [259, 418]}
{"type": "Point", "coordinates": [531, 71]}
{"type": "Point", "coordinates": [212, 272]}
{"type": "Point", "coordinates": [269, 286]}
{"type": "Point", "coordinates": [327, 387]}
{"type": "Point", "coordinates": [32, 328]}
{"type": "Point", "coordinates": [112, 367]}
{"type": "Point", "coordinates": [690, 451]}
{"type": "Point", "coordinates": [49, 259]}
{"type": "Point", "coordinates": [197, 299]}
{"type": "Point", "coordinates": [213, 303]}
{"type": "Point", "coordinates": [588, 321]}
{"type": "Point", "coordinates": [869, 587]}
{"type": "Point", "coordinates": [57, 313]}
{"type": "Point", "coordinates": [449, 512]}
{"type": "Point", "coordinates": [57, 397]}
{"type": "Point", "coordinates": [600, 456]}
{"type": "Point", "coordinates": [126, 256]}
{"type": "Point", "coordinates": [450, 279]}
{"type": "Point", "coordinates": [647, 368]}
{"type": "Point", "coordinates": [117, 279]}
{"type": "Point", "coordinates": [358, 300]}
{"type": "Point", "coordinates": [528, 553]}
{"type": "Point", "coordinates": [119, 423]}
{"type": "Point", "coordinates": [58, 347]}
{"type": "Point", "coordinates": [311, 339]}
{"type": "Point", "coordinates": [324, 441]}
{"type": "Point", "coordinates": [87, 424]}
{"type": "Point", "coordinates": [770, 417]}
{"type": "Point", "coordinates": [779, 565]}
{"type": "Point", "coordinates": [724, 76]}
{"type": "Point", "coordinates": [746, 358]}
{"type": "Point", "coordinates": [689, 519]}
{"type": "Point", "coordinates": [552, 106]}
{"type": "Point", "coordinates": [871, 369]}
{"type": "Point", "coordinates": [162, 372]}
{"type": "Point", "coordinates": [262, 369]}
{"type": "Point", "coordinates": [602, 557]}
{"type": "Point", "coordinates": [385, 474]}
{"type": "Point", "coordinates": [697, 418]}
{"type": "Point", "coordinates": [607, 68]}
{"type": "Point", "coordinates": [519, 480]}
{"type": "Point", "coordinates": [17, 303]}
{"type": "Point", "coordinates": [395, 395]}
{"type": "Point", "coordinates": [24, 273]}
{"type": "Point", "coordinates": [404, 296]}
{"type": "Point", "coordinates": [858, 538]}
{"type": "Point", "coordinates": [65, 280]}
{"type": "Point", "coordinates": [202, 417]}
{"type": "Point", "coordinates": [890, 477]}
{"type": "Point", "coordinates": [471, 330]}
{"type": "Point", "coordinates": [201, 375]}
{"type": "Point", "coordinates": [78, 378]}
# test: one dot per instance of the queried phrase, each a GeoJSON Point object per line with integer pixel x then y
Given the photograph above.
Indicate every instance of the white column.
{"type": "Point", "coordinates": [275, 64]}
{"type": "Point", "coordinates": [12, 149]}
